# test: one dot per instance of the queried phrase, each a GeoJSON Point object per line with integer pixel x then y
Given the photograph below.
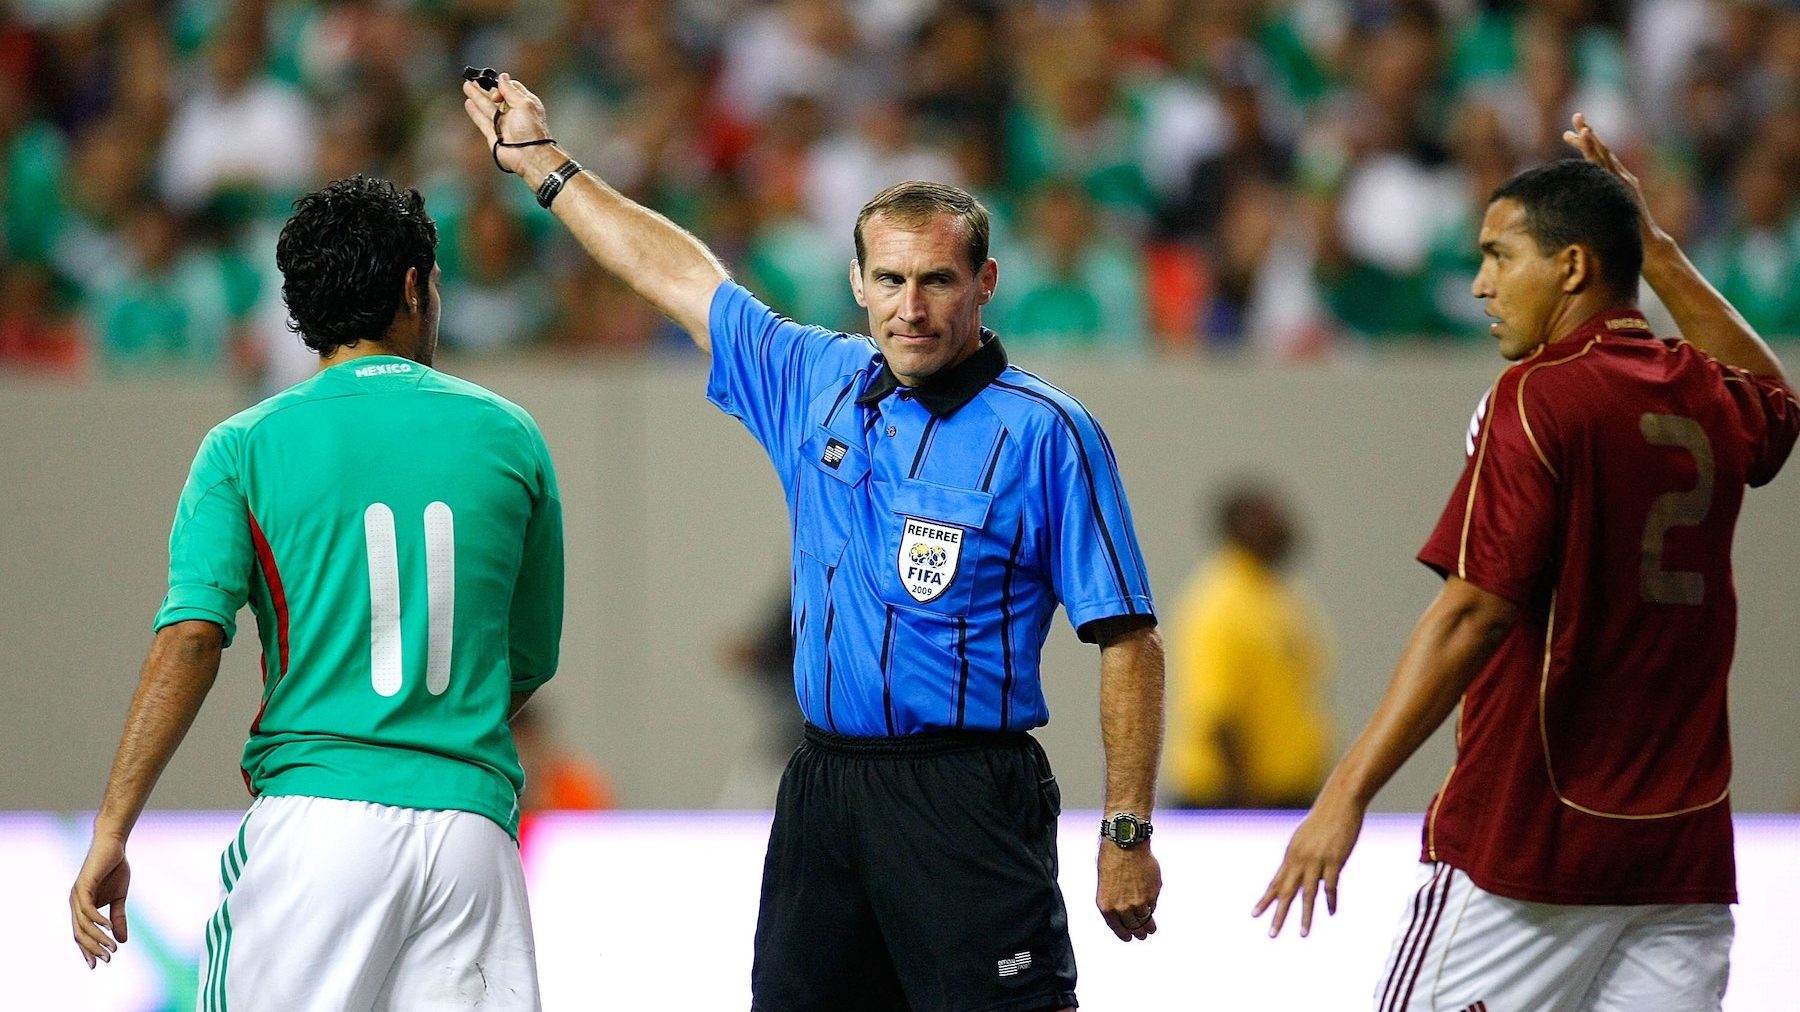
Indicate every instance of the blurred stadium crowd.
{"type": "Point", "coordinates": [1282, 176]}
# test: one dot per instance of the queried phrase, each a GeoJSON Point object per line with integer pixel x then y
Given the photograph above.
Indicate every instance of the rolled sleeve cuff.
{"type": "Point", "coordinates": [199, 601]}
{"type": "Point", "coordinates": [720, 338]}
{"type": "Point", "coordinates": [1083, 617]}
{"type": "Point", "coordinates": [531, 682]}
{"type": "Point", "coordinates": [718, 389]}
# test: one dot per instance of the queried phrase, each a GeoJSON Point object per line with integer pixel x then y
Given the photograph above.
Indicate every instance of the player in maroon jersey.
{"type": "Point", "coordinates": [1579, 853]}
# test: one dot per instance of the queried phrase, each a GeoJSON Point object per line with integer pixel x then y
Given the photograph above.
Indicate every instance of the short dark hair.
{"type": "Point", "coordinates": [344, 257]}
{"type": "Point", "coordinates": [914, 203]}
{"type": "Point", "coordinates": [1244, 499]}
{"type": "Point", "coordinates": [1574, 202]}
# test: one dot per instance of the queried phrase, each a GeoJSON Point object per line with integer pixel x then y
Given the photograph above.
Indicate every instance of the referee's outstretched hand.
{"type": "Point", "coordinates": [104, 879]}
{"type": "Point", "coordinates": [1315, 856]}
{"type": "Point", "coordinates": [1130, 882]}
{"type": "Point", "coordinates": [522, 117]}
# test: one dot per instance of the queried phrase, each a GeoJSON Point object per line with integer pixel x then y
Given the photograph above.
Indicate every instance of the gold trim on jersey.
{"type": "Point", "coordinates": [1627, 323]}
{"type": "Point", "coordinates": [1462, 548]}
{"type": "Point", "coordinates": [1550, 765]}
{"type": "Point", "coordinates": [1487, 427]}
{"type": "Point", "coordinates": [1732, 377]}
{"type": "Point", "coordinates": [1526, 421]}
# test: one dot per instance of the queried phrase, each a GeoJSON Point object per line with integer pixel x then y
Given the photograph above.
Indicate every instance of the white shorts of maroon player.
{"type": "Point", "coordinates": [1462, 949]}
{"type": "Point", "coordinates": [331, 905]}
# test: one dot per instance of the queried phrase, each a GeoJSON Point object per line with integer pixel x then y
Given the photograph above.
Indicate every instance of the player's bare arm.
{"type": "Point", "coordinates": [183, 662]}
{"type": "Point", "coordinates": [1448, 646]}
{"type": "Point", "coordinates": [659, 260]}
{"type": "Point", "coordinates": [1705, 318]}
{"type": "Point", "coordinates": [1131, 727]}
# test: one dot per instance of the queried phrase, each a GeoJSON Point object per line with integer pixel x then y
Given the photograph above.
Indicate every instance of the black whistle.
{"type": "Point", "coordinates": [487, 77]}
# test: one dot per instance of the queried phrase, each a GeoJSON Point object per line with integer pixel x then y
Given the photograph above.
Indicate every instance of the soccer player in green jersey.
{"type": "Point", "coordinates": [398, 536]}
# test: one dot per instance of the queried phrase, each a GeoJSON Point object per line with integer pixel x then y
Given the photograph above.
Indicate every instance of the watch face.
{"type": "Point", "coordinates": [1125, 830]}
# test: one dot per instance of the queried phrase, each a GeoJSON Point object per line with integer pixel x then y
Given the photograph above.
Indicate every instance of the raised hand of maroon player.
{"type": "Point", "coordinates": [1315, 857]}
{"type": "Point", "coordinates": [1583, 139]}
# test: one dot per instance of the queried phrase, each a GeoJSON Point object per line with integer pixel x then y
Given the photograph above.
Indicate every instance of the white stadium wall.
{"type": "Point", "coordinates": [677, 536]}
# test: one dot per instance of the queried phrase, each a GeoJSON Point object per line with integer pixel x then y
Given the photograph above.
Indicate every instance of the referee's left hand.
{"type": "Point", "coordinates": [1130, 882]}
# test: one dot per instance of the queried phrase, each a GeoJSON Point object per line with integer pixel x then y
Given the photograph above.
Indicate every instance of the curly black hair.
{"type": "Point", "coordinates": [344, 256]}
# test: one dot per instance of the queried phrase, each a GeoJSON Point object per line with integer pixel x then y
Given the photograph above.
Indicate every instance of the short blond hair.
{"type": "Point", "coordinates": [915, 202]}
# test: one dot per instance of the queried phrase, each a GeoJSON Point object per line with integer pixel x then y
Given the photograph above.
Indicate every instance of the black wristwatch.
{"type": "Point", "coordinates": [1126, 830]}
{"type": "Point", "coordinates": [554, 182]}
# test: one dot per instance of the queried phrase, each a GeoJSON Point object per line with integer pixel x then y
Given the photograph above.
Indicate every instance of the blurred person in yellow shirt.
{"type": "Point", "coordinates": [1247, 660]}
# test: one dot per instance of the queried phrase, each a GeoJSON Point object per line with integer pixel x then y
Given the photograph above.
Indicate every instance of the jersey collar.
{"type": "Point", "coordinates": [945, 392]}
{"type": "Point", "coordinates": [389, 364]}
{"type": "Point", "coordinates": [1620, 321]}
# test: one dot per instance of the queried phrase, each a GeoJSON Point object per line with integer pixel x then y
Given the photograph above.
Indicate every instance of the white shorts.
{"type": "Point", "coordinates": [1461, 949]}
{"type": "Point", "coordinates": [349, 906]}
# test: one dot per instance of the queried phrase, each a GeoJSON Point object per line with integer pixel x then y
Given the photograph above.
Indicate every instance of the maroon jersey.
{"type": "Point", "coordinates": [1603, 484]}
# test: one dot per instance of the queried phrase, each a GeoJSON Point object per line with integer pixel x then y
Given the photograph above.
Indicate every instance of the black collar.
{"type": "Point", "coordinates": [949, 389]}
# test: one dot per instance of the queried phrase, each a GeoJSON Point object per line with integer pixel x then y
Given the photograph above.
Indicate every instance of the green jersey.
{"type": "Point", "coordinates": [398, 535]}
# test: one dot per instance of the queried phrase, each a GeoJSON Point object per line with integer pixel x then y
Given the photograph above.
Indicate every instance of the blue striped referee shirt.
{"type": "Point", "coordinates": [935, 529]}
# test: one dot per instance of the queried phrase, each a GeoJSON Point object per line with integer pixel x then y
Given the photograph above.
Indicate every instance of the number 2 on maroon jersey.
{"type": "Point", "coordinates": [1675, 509]}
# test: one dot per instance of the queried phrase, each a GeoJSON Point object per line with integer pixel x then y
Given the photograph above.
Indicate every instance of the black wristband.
{"type": "Point", "coordinates": [554, 182]}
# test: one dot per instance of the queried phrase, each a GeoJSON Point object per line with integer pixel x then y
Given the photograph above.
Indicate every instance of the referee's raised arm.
{"type": "Point", "coordinates": [660, 260]}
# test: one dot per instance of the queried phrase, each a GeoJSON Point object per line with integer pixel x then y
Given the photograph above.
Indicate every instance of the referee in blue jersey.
{"type": "Point", "coordinates": [944, 503]}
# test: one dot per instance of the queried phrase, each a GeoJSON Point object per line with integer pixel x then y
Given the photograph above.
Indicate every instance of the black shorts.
{"type": "Point", "coordinates": [914, 873]}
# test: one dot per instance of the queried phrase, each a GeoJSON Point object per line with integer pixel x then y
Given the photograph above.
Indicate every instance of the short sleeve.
{"type": "Point", "coordinates": [211, 557]}
{"type": "Point", "coordinates": [536, 617]}
{"type": "Point", "coordinates": [1497, 529]}
{"type": "Point", "coordinates": [1771, 419]}
{"type": "Point", "coordinates": [1096, 567]}
{"type": "Point", "coordinates": [765, 368]}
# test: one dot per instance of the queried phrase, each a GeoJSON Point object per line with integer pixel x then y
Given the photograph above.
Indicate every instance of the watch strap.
{"type": "Point", "coordinates": [554, 182]}
{"type": "Point", "coordinates": [1138, 832]}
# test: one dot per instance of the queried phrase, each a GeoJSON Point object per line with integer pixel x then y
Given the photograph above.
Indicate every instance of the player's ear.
{"type": "Point", "coordinates": [856, 285]}
{"type": "Point", "coordinates": [414, 290]}
{"type": "Point", "coordinates": [1578, 267]}
{"type": "Point", "coordinates": [988, 279]}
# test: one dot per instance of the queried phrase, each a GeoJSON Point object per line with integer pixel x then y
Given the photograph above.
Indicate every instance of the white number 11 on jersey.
{"type": "Point", "coordinates": [385, 660]}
